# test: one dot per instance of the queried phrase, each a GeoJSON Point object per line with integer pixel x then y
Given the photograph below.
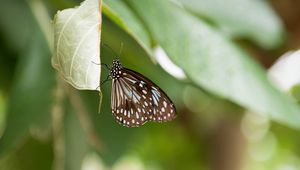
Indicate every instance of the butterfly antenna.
{"type": "Point", "coordinates": [121, 49]}
{"type": "Point", "coordinates": [107, 78]}
{"type": "Point", "coordinates": [108, 47]}
{"type": "Point", "coordinates": [102, 64]}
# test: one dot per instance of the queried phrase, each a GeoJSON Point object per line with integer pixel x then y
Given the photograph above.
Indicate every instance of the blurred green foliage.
{"type": "Point", "coordinates": [46, 124]}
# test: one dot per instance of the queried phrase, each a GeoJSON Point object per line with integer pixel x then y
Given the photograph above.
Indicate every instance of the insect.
{"type": "Point", "coordinates": [136, 100]}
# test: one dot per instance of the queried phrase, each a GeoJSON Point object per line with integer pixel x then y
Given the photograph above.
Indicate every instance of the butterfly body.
{"type": "Point", "coordinates": [136, 100]}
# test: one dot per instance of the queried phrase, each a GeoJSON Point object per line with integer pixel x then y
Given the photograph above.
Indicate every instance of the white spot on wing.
{"type": "Point", "coordinates": [165, 103]}
{"type": "Point", "coordinates": [144, 91]}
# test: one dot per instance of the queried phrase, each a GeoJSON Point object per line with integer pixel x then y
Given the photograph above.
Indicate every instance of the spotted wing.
{"type": "Point", "coordinates": [136, 100]}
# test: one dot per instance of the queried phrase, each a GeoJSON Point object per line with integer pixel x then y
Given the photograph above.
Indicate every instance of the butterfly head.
{"type": "Point", "coordinates": [115, 71]}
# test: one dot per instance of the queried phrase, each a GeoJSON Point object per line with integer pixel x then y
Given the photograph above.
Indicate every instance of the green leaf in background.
{"type": "Point", "coordinates": [3, 103]}
{"type": "Point", "coordinates": [33, 155]}
{"type": "Point", "coordinates": [159, 144]}
{"type": "Point", "coordinates": [77, 44]}
{"type": "Point", "coordinates": [295, 91]}
{"type": "Point", "coordinates": [76, 145]}
{"type": "Point", "coordinates": [121, 14]}
{"type": "Point", "coordinates": [213, 62]}
{"type": "Point", "coordinates": [237, 17]}
{"type": "Point", "coordinates": [16, 23]}
{"type": "Point", "coordinates": [211, 108]}
{"type": "Point", "coordinates": [31, 97]}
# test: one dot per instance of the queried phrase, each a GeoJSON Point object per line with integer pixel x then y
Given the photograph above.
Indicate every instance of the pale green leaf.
{"type": "Point", "coordinates": [295, 91]}
{"type": "Point", "coordinates": [77, 44]}
{"type": "Point", "coordinates": [253, 19]}
{"type": "Point", "coordinates": [213, 62]}
{"type": "Point", "coordinates": [122, 15]}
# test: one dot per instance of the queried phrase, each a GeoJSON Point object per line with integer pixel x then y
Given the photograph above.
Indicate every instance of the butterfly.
{"type": "Point", "coordinates": [136, 100]}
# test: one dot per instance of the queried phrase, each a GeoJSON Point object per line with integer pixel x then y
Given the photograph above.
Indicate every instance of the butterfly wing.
{"type": "Point", "coordinates": [136, 100]}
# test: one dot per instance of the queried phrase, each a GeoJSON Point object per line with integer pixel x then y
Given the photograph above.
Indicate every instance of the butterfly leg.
{"type": "Point", "coordinates": [105, 66]}
{"type": "Point", "coordinates": [102, 82]}
{"type": "Point", "coordinates": [107, 78]}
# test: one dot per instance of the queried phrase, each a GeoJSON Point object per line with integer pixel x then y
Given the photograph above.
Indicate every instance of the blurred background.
{"type": "Point", "coordinates": [235, 120]}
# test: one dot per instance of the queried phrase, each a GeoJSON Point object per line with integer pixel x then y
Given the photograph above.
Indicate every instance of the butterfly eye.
{"type": "Point", "coordinates": [136, 100]}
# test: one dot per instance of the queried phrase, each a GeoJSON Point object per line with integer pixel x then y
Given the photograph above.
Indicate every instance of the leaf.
{"type": "Point", "coordinates": [285, 72]}
{"type": "Point", "coordinates": [295, 91]}
{"type": "Point", "coordinates": [253, 19]}
{"type": "Point", "coordinates": [213, 62]}
{"type": "Point", "coordinates": [14, 15]}
{"type": "Point", "coordinates": [210, 107]}
{"type": "Point", "coordinates": [75, 141]}
{"type": "Point", "coordinates": [77, 44]}
{"type": "Point", "coordinates": [121, 14]}
{"type": "Point", "coordinates": [31, 96]}
{"type": "Point", "coordinates": [33, 155]}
